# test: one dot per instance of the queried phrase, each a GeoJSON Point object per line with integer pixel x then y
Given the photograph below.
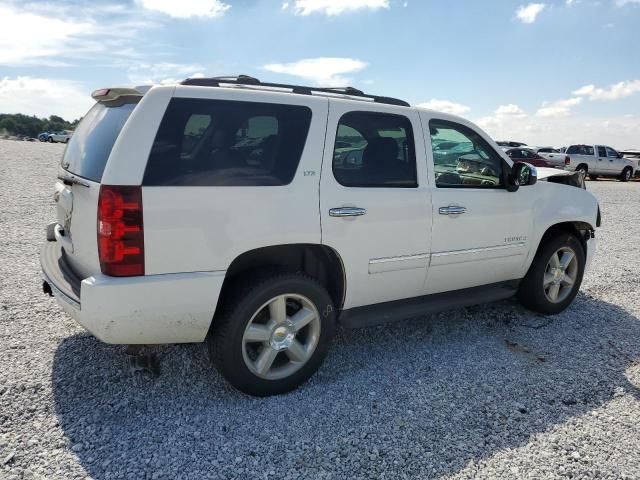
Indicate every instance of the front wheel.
{"type": "Point", "coordinates": [626, 175]}
{"type": "Point", "coordinates": [273, 334]}
{"type": "Point", "coordinates": [555, 275]}
{"type": "Point", "coordinates": [50, 140]}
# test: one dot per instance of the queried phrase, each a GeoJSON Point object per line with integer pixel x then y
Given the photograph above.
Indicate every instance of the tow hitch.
{"type": "Point", "coordinates": [46, 288]}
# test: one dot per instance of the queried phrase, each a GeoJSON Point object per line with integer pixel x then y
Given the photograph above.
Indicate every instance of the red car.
{"type": "Point", "coordinates": [526, 155]}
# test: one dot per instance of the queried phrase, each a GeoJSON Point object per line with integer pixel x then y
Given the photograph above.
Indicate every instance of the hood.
{"type": "Point", "coordinates": [565, 177]}
{"type": "Point", "coordinates": [544, 172]}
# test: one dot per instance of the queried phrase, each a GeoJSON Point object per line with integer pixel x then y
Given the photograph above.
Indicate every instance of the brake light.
{"type": "Point", "coordinates": [567, 160]}
{"type": "Point", "coordinates": [120, 231]}
{"type": "Point", "coordinates": [103, 92]}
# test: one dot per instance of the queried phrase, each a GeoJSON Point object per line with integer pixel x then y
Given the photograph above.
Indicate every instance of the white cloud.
{"type": "Point", "coordinates": [503, 115]}
{"type": "Point", "coordinates": [336, 7]}
{"type": "Point", "coordinates": [187, 8]}
{"type": "Point", "coordinates": [162, 72]}
{"type": "Point", "coordinates": [324, 71]}
{"type": "Point", "coordinates": [619, 132]}
{"type": "Point", "coordinates": [559, 108]}
{"type": "Point", "coordinates": [614, 92]}
{"type": "Point", "coordinates": [27, 38]}
{"type": "Point", "coordinates": [510, 109]}
{"type": "Point", "coordinates": [44, 97]}
{"type": "Point", "coordinates": [56, 36]}
{"type": "Point", "coordinates": [529, 13]}
{"type": "Point", "coordinates": [445, 106]}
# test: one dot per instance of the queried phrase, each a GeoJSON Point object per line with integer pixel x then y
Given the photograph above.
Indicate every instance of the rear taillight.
{"type": "Point", "coordinates": [567, 160]}
{"type": "Point", "coordinates": [120, 231]}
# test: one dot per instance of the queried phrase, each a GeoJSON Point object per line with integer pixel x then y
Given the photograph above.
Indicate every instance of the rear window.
{"type": "Point", "coordinates": [580, 150]}
{"type": "Point", "coordinates": [90, 146]}
{"type": "Point", "coordinates": [227, 143]}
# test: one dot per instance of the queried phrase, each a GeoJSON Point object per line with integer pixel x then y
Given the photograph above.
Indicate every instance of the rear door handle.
{"type": "Point", "coordinates": [347, 212]}
{"type": "Point", "coordinates": [451, 210]}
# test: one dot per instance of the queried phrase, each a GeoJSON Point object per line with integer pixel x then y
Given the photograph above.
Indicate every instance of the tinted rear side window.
{"type": "Point", "coordinates": [227, 143]}
{"type": "Point", "coordinates": [90, 146]}
{"type": "Point", "coordinates": [580, 150]}
{"type": "Point", "coordinates": [374, 150]}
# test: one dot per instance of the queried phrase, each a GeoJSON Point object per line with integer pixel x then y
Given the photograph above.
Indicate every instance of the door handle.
{"type": "Point", "coordinates": [347, 212]}
{"type": "Point", "coordinates": [451, 210]}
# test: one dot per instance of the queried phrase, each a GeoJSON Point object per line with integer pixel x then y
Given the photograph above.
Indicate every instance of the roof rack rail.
{"type": "Point", "coordinates": [246, 80]}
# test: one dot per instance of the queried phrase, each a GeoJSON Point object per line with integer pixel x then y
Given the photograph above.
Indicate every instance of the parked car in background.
{"type": "Point", "coordinates": [258, 234]}
{"type": "Point", "coordinates": [509, 143]}
{"type": "Point", "coordinates": [553, 156]}
{"type": "Point", "coordinates": [526, 155]}
{"type": "Point", "coordinates": [62, 136]}
{"type": "Point", "coordinates": [633, 154]}
{"type": "Point", "coordinates": [599, 161]}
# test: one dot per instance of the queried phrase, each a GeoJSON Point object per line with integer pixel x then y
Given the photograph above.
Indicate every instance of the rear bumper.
{"type": "Point", "coordinates": [153, 309]}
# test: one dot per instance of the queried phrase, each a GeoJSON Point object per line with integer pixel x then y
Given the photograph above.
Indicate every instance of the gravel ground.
{"type": "Point", "coordinates": [482, 392]}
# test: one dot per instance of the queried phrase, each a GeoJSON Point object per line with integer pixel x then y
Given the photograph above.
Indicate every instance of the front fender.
{"type": "Point", "coordinates": [561, 204]}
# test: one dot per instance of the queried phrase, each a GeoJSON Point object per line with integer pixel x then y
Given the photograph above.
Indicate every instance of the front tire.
{"type": "Point", "coordinates": [555, 276]}
{"type": "Point", "coordinates": [273, 334]}
{"type": "Point", "coordinates": [626, 174]}
{"type": "Point", "coordinates": [50, 140]}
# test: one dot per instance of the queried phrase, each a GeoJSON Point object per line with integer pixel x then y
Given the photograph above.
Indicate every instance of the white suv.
{"type": "Point", "coordinates": [257, 216]}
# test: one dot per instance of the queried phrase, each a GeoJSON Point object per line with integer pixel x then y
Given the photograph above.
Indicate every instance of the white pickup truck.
{"type": "Point", "coordinates": [598, 161]}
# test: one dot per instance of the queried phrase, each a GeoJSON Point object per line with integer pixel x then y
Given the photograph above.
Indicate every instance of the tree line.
{"type": "Point", "coordinates": [31, 126]}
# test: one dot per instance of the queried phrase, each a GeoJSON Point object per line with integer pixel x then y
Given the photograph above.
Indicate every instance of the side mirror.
{"type": "Point", "coordinates": [522, 174]}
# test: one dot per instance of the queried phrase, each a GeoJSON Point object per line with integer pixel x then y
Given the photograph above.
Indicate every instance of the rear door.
{"type": "Point", "coordinates": [375, 205]}
{"type": "Point", "coordinates": [76, 192]}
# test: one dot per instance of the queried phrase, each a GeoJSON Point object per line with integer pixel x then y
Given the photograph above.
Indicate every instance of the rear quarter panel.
{"type": "Point", "coordinates": [189, 229]}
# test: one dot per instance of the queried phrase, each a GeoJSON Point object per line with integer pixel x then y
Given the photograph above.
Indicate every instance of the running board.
{"type": "Point", "coordinates": [381, 313]}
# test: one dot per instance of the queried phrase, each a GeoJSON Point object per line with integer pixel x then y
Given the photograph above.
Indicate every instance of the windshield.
{"type": "Point", "coordinates": [90, 146]}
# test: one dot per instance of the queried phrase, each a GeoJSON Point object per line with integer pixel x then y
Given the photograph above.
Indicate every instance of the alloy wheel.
{"type": "Point", "coordinates": [281, 336]}
{"type": "Point", "coordinates": [560, 275]}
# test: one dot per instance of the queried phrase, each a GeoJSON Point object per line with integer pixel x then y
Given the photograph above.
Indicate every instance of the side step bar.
{"type": "Point", "coordinates": [381, 313]}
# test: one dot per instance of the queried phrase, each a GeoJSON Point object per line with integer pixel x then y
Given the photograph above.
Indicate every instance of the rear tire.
{"type": "Point", "coordinates": [626, 174]}
{"type": "Point", "coordinates": [583, 168]}
{"type": "Point", "coordinates": [272, 334]}
{"type": "Point", "coordinates": [554, 278]}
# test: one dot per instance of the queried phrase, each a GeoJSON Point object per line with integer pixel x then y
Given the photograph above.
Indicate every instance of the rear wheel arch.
{"type": "Point", "coordinates": [320, 262]}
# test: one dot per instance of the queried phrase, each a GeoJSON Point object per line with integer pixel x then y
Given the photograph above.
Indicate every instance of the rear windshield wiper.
{"type": "Point", "coordinates": [71, 180]}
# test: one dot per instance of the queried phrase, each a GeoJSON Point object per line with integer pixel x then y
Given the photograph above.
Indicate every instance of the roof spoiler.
{"type": "Point", "coordinates": [116, 96]}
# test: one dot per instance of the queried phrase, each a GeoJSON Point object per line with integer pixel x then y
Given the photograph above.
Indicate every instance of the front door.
{"type": "Point", "coordinates": [481, 232]}
{"type": "Point", "coordinates": [616, 163]}
{"type": "Point", "coordinates": [603, 167]}
{"type": "Point", "coordinates": [374, 204]}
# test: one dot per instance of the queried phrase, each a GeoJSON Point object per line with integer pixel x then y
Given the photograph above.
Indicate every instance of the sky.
{"type": "Point", "coordinates": [552, 72]}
